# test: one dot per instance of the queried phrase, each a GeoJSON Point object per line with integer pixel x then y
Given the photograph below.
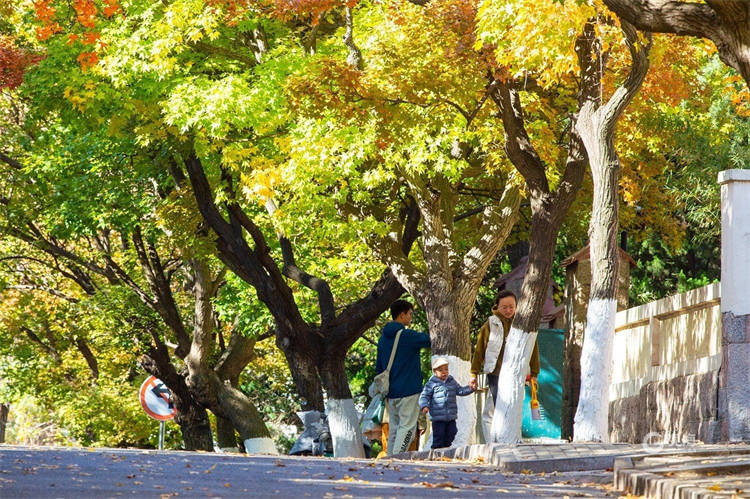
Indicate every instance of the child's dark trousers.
{"type": "Point", "coordinates": [443, 433]}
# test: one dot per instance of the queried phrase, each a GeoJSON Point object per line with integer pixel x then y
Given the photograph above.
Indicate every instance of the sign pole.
{"type": "Point", "coordinates": [156, 400]}
{"type": "Point", "coordinates": [162, 424]}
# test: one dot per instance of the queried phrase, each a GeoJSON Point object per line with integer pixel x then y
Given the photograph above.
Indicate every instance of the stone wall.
{"type": "Point", "coordinates": [678, 410]}
{"type": "Point", "coordinates": [665, 370]}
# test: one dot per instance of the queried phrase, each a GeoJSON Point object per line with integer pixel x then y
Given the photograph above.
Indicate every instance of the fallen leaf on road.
{"type": "Point", "coordinates": [527, 472]}
{"type": "Point", "coordinates": [279, 464]}
{"type": "Point", "coordinates": [227, 485]}
{"type": "Point", "coordinates": [440, 485]}
{"type": "Point", "coordinates": [711, 473]}
{"type": "Point", "coordinates": [130, 476]}
{"type": "Point", "coordinates": [209, 470]}
{"type": "Point", "coordinates": [341, 488]}
{"type": "Point", "coordinates": [347, 478]}
{"type": "Point", "coordinates": [715, 487]}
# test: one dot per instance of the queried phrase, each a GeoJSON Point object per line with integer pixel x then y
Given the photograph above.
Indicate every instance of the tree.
{"type": "Point", "coordinates": [507, 31]}
{"type": "Point", "coordinates": [596, 127]}
{"type": "Point", "coordinates": [204, 386]}
{"type": "Point", "coordinates": [410, 133]}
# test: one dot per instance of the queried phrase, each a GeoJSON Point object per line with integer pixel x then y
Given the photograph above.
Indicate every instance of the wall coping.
{"type": "Point", "coordinates": [664, 308]}
{"type": "Point", "coordinates": [632, 387]}
{"type": "Point", "coordinates": [734, 175]}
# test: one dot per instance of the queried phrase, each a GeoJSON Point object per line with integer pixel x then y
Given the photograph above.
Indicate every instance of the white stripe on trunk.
{"type": "Point", "coordinates": [343, 422]}
{"type": "Point", "coordinates": [467, 410]}
{"type": "Point", "coordinates": [260, 445]}
{"type": "Point", "coordinates": [506, 423]}
{"type": "Point", "coordinates": [591, 420]}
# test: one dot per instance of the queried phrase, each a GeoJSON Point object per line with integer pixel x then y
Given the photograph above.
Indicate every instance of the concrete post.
{"type": "Point", "coordinates": [734, 379]}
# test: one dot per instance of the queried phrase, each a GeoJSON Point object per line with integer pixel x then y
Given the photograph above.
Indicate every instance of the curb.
{"type": "Point", "coordinates": [508, 458]}
{"type": "Point", "coordinates": [633, 474]}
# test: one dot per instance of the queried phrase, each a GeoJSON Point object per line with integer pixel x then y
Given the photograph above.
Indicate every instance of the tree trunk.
{"type": "Point", "coordinates": [219, 395]}
{"type": "Point", "coordinates": [225, 434]}
{"type": "Point", "coordinates": [194, 424]}
{"type": "Point", "coordinates": [591, 418]}
{"type": "Point", "coordinates": [4, 410]}
{"type": "Point", "coordinates": [506, 422]}
{"type": "Point", "coordinates": [191, 417]}
{"type": "Point", "coordinates": [596, 127]}
{"type": "Point", "coordinates": [726, 23]}
{"type": "Point", "coordinates": [303, 367]}
{"type": "Point", "coordinates": [448, 318]}
{"type": "Point", "coordinates": [343, 419]}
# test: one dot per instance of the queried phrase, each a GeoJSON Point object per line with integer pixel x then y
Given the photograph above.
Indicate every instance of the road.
{"type": "Point", "coordinates": [80, 473]}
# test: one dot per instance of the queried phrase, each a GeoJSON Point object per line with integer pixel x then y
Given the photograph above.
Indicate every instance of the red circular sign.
{"type": "Point", "coordinates": [156, 399]}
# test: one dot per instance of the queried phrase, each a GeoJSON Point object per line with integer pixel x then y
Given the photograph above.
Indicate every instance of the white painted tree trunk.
{"type": "Point", "coordinates": [591, 419]}
{"type": "Point", "coordinates": [467, 410]}
{"type": "Point", "coordinates": [261, 445]}
{"type": "Point", "coordinates": [506, 423]}
{"type": "Point", "coordinates": [343, 422]}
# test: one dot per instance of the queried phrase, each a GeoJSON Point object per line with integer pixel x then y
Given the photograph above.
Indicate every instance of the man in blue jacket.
{"type": "Point", "coordinates": [405, 378]}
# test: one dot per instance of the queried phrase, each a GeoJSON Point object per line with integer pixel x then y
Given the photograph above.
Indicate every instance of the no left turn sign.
{"type": "Point", "coordinates": [156, 399]}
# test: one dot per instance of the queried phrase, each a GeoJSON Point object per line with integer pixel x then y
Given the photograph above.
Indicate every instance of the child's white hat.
{"type": "Point", "coordinates": [439, 361]}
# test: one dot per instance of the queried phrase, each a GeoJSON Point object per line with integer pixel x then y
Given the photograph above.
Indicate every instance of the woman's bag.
{"type": "Point", "coordinates": [375, 410]}
{"type": "Point", "coordinates": [380, 384]}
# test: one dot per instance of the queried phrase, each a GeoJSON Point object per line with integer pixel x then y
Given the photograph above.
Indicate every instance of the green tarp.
{"type": "Point", "coordinates": [551, 346]}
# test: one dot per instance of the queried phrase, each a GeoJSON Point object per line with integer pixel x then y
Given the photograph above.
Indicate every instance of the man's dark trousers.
{"type": "Point", "coordinates": [443, 433]}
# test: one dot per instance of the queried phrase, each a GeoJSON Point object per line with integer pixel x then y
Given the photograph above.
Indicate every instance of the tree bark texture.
{"type": "Point", "coordinates": [596, 127]}
{"type": "Point", "coordinates": [226, 437]}
{"type": "Point", "coordinates": [725, 22]}
{"type": "Point", "coordinates": [218, 395]}
{"type": "Point", "coordinates": [4, 410]}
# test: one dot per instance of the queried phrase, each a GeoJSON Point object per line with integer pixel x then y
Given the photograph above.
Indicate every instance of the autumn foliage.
{"type": "Point", "coordinates": [14, 61]}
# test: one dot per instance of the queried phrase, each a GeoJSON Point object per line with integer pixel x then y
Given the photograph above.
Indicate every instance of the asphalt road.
{"type": "Point", "coordinates": [79, 473]}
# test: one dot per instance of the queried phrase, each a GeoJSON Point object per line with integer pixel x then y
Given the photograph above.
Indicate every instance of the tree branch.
{"type": "Point", "coordinates": [667, 16]}
{"type": "Point", "coordinates": [10, 161]}
{"type": "Point", "coordinates": [518, 145]}
{"type": "Point", "coordinates": [497, 222]}
{"type": "Point", "coordinates": [292, 271]}
{"type": "Point", "coordinates": [49, 349]}
{"type": "Point", "coordinates": [89, 356]}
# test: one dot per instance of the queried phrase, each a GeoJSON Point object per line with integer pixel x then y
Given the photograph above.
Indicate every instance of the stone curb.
{"type": "Point", "coordinates": [632, 475]}
{"type": "Point", "coordinates": [505, 458]}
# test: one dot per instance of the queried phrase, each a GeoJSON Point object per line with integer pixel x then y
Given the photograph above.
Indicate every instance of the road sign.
{"type": "Point", "coordinates": [156, 399]}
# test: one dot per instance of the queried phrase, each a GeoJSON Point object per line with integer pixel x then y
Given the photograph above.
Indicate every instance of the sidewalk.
{"type": "Point", "coordinates": [561, 457]}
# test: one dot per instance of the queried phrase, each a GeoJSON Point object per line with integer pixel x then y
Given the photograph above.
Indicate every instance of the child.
{"type": "Point", "coordinates": [439, 398]}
